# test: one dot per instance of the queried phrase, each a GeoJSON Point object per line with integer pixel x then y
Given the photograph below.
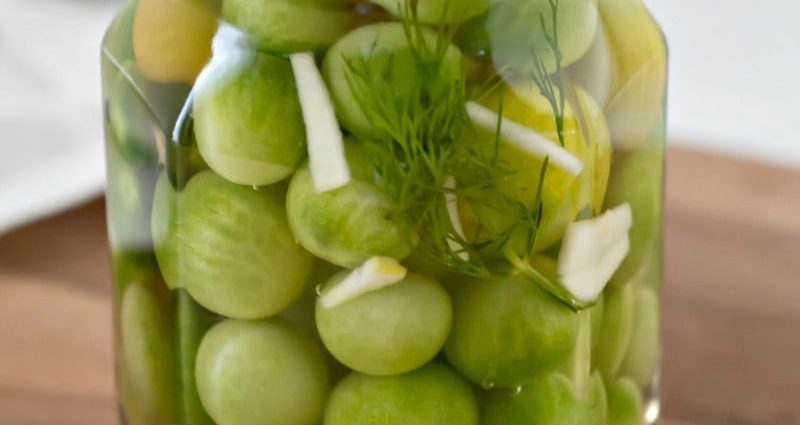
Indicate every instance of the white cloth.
{"type": "Point", "coordinates": [51, 150]}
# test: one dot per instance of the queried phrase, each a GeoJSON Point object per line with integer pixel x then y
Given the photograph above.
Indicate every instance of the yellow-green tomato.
{"type": "Point", "coordinates": [644, 353]}
{"type": "Point", "coordinates": [261, 373]}
{"type": "Point", "coordinates": [435, 11]}
{"type": "Point", "coordinates": [172, 38]}
{"type": "Point", "coordinates": [547, 400]}
{"type": "Point", "coordinates": [486, 214]}
{"type": "Point", "coordinates": [248, 122]}
{"type": "Point", "coordinates": [615, 332]}
{"type": "Point", "coordinates": [376, 66]}
{"type": "Point", "coordinates": [389, 331]}
{"type": "Point", "coordinates": [505, 332]}
{"type": "Point", "coordinates": [520, 30]}
{"type": "Point", "coordinates": [431, 395]}
{"type": "Point", "coordinates": [287, 26]}
{"type": "Point", "coordinates": [624, 403]}
{"type": "Point", "coordinates": [147, 378]}
{"type": "Point", "coordinates": [233, 249]}
{"type": "Point", "coordinates": [348, 225]}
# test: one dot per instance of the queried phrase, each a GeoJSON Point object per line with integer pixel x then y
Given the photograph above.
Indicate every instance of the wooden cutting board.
{"type": "Point", "coordinates": [731, 304]}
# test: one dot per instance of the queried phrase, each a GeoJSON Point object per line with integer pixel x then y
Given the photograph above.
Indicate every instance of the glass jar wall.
{"type": "Point", "coordinates": [394, 212]}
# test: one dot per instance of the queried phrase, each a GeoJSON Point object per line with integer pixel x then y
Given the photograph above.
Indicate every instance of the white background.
{"type": "Point", "coordinates": [735, 66]}
{"type": "Point", "coordinates": [735, 75]}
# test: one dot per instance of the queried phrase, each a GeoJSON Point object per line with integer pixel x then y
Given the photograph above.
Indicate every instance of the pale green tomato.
{"type": "Point", "coordinates": [435, 11]}
{"type": "Point", "coordinates": [261, 373]}
{"type": "Point", "coordinates": [248, 123]}
{"type": "Point", "coordinates": [384, 50]}
{"type": "Point", "coordinates": [172, 39]}
{"type": "Point", "coordinates": [615, 333]}
{"type": "Point", "coordinates": [287, 26]}
{"type": "Point", "coordinates": [147, 380]}
{"type": "Point", "coordinates": [547, 400]}
{"type": "Point", "coordinates": [644, 353]}
{"type": "Point", "coordinates": [519, 40]}
{"type": "Point", "coordinates": [389, 331]}
{"type": "Point", "coordinates": [233, 249]}
{"type": "Point", "coordinates": [348, 225]}
{"type": "Point", "coordinates": [506, 332]}
{"type": "Point", "coordinates": [432, 395]}
{"type": "Point", "coordinates": [487, 214]}
{"type": "Point", "coordinates": [624, 403]}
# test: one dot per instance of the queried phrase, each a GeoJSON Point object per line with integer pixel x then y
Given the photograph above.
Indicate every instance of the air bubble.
{"type": "Point", "coordinates": [487, 385]}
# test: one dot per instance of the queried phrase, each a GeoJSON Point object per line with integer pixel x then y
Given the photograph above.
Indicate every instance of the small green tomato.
{"type": "Point", "coordinates": [348, 225]}
{"type": "Point", "coordinates": [520, 30]}
{"type": "Point", "coordinates": [147, 381]}
{"type": "Point", "coordinates": [248, 123]}
{"type": "Point", "coordinates": [385, 52]}
{"type": "Point", "coordinates": [506, 332]}
{"type": "Point", "coordinates": [547, 400]}
{"type": "Point", "coordinates": [261, 373]}
{"type": "Point", "coordinates": [435, 11]}
{"type": "Point", "coordinates": [389, 331]}
{"type": "Point", "coordinates": [431, 395]}
{"type": "Point", "coordinates": [231, 247]}
{"type": "Point", "coordinates": [287, 26]}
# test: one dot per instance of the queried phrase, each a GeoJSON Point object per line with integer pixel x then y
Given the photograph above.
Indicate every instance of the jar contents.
{"type": "Point", "coordinates": [397, 212]}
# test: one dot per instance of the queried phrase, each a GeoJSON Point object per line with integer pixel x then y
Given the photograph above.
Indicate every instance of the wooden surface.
{"type": "Point", "coordinates": [731, 304]}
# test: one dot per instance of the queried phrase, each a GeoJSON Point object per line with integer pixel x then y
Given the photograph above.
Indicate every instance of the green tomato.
{"type": "Point", "coordinates": [637, 178]}
{"type": "Point", "coordinates": [231, 247]}
{"type": "Point", "coordinates": [348, 225]}
{"type": "Point", "coordinates": [432, 395]}
{"type": "Point", "coordinates": [192, 321]}
{"type": "Point", "coordinates": [287, 26]}
{"type": "Point", "coordinates": [435, 11]}
{"type": "Point", "coordinates": [261, 373]}
{"type": "Point", "coordinates": [615, 333]}
{"type": "Point", "coordinates": [147, 384]}
{"type": "Point", "coordinates": [384, 51]}
{"type": "Point", "coordinates": [644, 353]}
{"type": "Point", "coordinates": [506, 332]}
{"type": "Point", "coordinates": [519, 32]}
{"type": "Point", "coordinates": [389, 331]}
{"type": "Point", "coordinates": [248, 122]}
{"type": "Point", "coordinates": [488, 214]}
{"type": "Point", "coordinates": [547, 400]}
{"type": "Point", "coordinates": [624, 403]}
{"type": "Point", "coordinates": [172, 39]}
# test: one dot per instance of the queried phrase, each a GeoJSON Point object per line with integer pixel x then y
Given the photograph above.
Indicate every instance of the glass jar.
{"type": "Point", "coordinates": [416, 212]}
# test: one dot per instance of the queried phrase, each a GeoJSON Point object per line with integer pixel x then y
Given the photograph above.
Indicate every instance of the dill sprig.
{"type": "Point", "coordinates": [416, 152]}
{"type": "Point", "coordinates": [551, 84]}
